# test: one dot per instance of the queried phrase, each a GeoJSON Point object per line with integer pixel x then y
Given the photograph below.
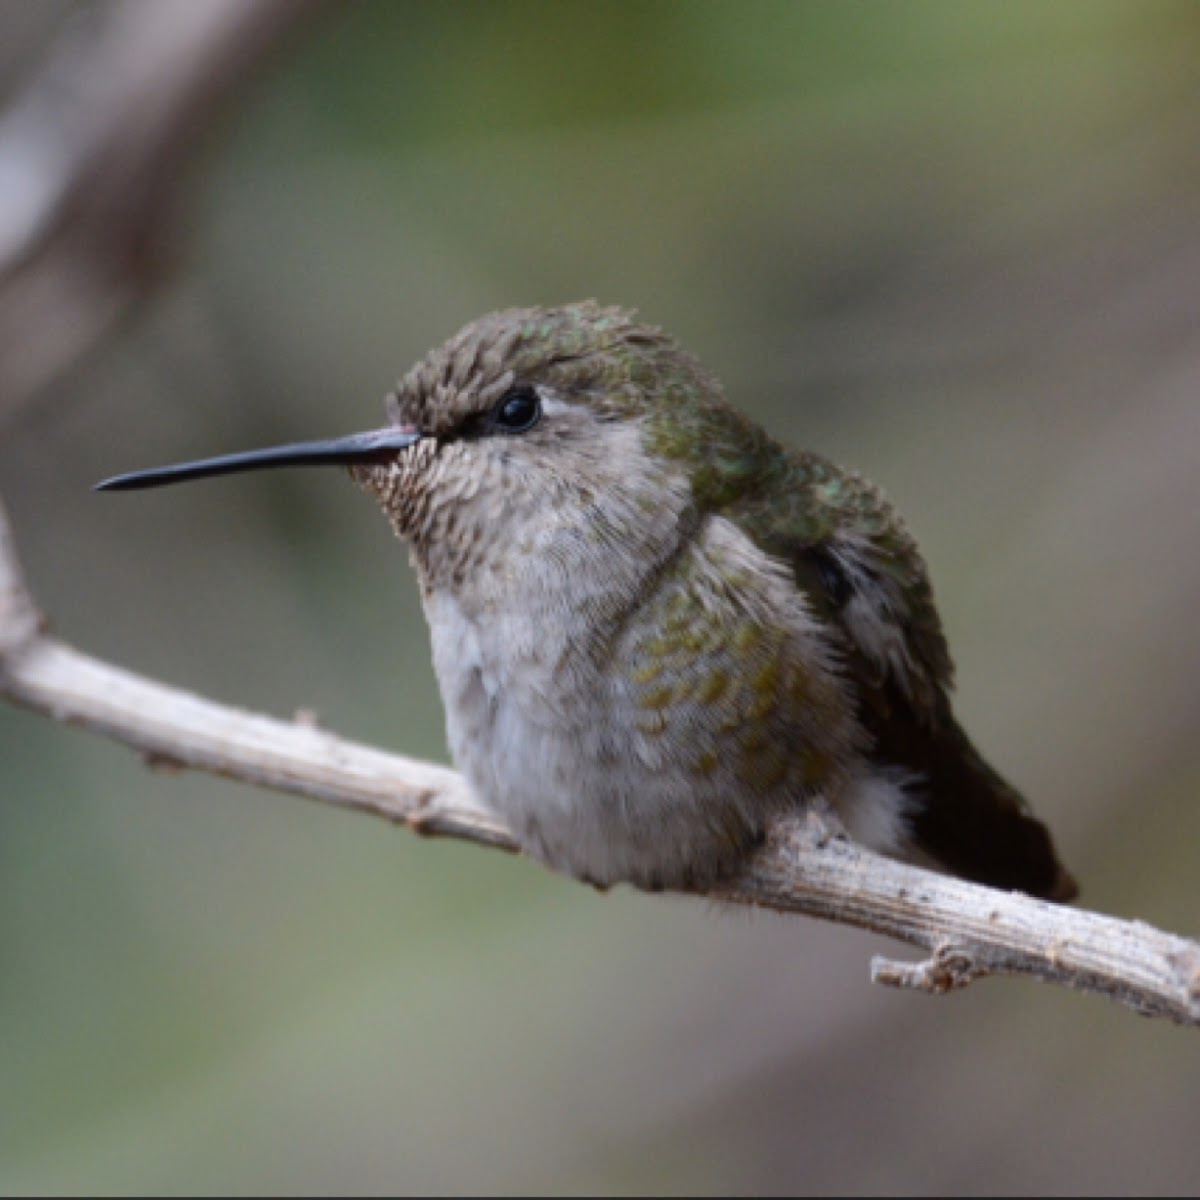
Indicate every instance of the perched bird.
{"type": "Point", "coordinates": [654, 627]}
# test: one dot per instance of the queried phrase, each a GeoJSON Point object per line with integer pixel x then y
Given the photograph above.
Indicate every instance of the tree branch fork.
{"type": "Point", "coordinates": [805, 866]}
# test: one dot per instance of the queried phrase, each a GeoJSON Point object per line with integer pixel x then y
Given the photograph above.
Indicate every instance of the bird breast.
{"type": "Point", "coordinates": [643, 733]}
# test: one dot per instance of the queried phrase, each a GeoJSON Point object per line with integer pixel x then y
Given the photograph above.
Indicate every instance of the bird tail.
{"type": "Point", "coordinates": [971, 822]}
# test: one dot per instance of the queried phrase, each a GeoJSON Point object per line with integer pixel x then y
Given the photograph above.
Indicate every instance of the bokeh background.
{"type": "Point", "coordinates": [953, 245]}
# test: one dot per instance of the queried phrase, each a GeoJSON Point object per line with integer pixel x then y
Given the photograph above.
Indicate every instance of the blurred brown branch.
{"type": "Point", "coordinates": [92, 155]}
{"type": "Point", "coordinates": [87, 185]}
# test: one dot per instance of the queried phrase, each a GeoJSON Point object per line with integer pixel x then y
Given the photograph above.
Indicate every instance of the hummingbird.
{"type": "Point", "coordinates": [655, 629]}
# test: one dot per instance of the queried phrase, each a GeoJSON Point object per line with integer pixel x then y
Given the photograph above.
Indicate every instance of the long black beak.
{"type": "Point", "coordinates": [356, 448]}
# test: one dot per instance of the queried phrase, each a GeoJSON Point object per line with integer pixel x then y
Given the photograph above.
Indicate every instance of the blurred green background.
{"type": "Point", "coordinates": [954, 245]}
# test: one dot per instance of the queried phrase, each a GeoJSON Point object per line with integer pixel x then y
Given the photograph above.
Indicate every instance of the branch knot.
{"type": "Point", "coordinates": [950, 967]}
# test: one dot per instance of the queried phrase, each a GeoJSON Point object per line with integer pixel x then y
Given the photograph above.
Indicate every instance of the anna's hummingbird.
{"type": "Point", "coordinates": [654, 627]}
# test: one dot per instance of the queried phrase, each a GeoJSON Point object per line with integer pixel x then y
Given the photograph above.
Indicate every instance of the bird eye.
{"type": "Point", "coordinates": [518, 410]}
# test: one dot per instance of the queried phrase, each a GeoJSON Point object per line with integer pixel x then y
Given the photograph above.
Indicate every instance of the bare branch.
{"type": "Point", "coordinates": [971, 931]}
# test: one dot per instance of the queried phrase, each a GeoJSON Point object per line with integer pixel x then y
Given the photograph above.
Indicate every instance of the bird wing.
{"type": "Point", "coordinates": [861, 571]}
